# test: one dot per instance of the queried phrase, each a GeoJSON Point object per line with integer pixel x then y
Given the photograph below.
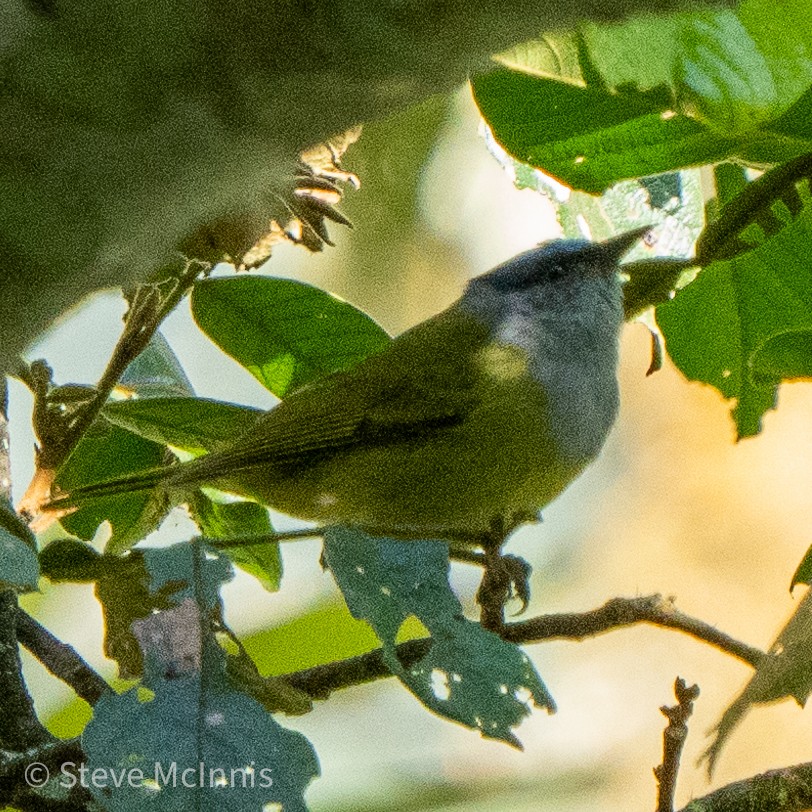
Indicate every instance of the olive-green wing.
{"type": "Point", "coordinates": [425, 381]}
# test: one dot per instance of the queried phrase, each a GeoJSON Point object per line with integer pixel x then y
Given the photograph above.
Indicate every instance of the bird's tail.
{"type": "Point", "coordinates": [140, 481]}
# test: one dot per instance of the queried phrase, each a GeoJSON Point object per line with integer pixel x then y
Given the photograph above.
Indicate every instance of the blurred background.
{"type": "Point", "coordinates": [673, 506]}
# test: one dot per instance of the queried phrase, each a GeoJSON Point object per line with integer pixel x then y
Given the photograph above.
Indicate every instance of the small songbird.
{"type": "Point", "coordinates": [480, 414]}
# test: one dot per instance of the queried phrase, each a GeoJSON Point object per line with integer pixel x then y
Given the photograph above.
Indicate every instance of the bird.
{"type": "Point", "coordinates": [478, 415]}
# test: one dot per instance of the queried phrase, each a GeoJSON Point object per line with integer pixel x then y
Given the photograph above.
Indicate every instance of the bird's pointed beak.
{"type": "Point", "coordinates": [616, 247]}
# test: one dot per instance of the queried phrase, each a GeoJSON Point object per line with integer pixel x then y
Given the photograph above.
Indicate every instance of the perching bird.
{"type": "Point", "coordinates": [482, 413]}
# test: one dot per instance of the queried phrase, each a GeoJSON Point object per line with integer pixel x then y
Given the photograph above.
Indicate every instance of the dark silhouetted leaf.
{"type": "Point", "coordinates": [204, 744]}
{"type": "Point", "coordinates": [785, 672]}
{"type": "Point", "coordinates": [469, 675]}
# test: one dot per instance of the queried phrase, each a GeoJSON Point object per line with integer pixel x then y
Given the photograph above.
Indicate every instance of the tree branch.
{"type": "Point", "coordinates": [60, 659]}
{"type": "Point", "coordinates": [150, 303]}
{"type": "Point", "coordinates": [674, 737]}
{"type": "Point", "coordinates": [788, 789]}
{"type": "Point", "coordinates": [19, 726]}
{"type": "Point", "coordinates": [319, 682]}
{"type": "Point", "coordinates": [619, 612]}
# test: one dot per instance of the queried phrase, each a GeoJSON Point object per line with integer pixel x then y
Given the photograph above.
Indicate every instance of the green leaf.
{"type": "Point", "coordinates": [555, 55]}
{"type": "Point", "coordinates": [651, 281]}
{"type": "Point", "coordinates": [285, 333]}
{"type": "Point", "coordinates": [730, 179]}
{"type": "Point", "coordinates": [785, 357]}
{"type": "Point", "coordinates": [722, 77]}
{"type": "Point", "coordinates": [741, 80]}
{"type": "Point", "coordinates": [759, 51]}
{"type": "Point", "coordinates": [156, 372]}
{"type": "Point", "coordinates": [218, 520]}
{"type": "Point", "coordinates": [783, 37]}
{"type": "Point", "coordinates": [591, 138]}
{"type": "Point", "coordinates": [103, 453]}
{"type": "Point", "coordinates": [19, 567]}
{"type": "Point", "coordinates": [786, 671]}
{"type": "Point", "coordinates": [639, 52]}
{"type": "Point", "coordinates": [469, 675]}
{"type": "Point", "coordinates": [205, 745]}
{"type": "Point", "coordinates": [796, 121]}
{"type": "Point", "coordinates": [196, 425]}
{"type": "Point", "coordinates": [715, 326]}
{"type": "Point", "coordinates": [803, 575]}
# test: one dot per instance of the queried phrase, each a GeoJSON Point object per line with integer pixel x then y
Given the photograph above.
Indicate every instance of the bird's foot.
{"type": "Point", "coordinates": [505, 577]}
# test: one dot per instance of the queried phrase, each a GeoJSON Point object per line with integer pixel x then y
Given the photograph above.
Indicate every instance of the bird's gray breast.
{"type": "Point", "coordinates": [571, 340]}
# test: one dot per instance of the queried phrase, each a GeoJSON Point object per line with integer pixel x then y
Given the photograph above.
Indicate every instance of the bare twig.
{"type": "Point", "coordinates": [620, 612]}
{"type": "Point", "coordinates": [60, 659]}
{"type": "Point", "coordinates": [150, 304]}
{"type": "Point", "coordinates": [321, 681]}
{"type": "Point", "coordinates": [674, 737]}
{"type": "Point", "coordinates": [59, 431]}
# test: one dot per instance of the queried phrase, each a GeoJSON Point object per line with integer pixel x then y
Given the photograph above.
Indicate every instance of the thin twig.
{"type": "Point", "coordinates": [754, 197]}
{"type": "Point", "coordinates": [262, 538]}
{"type": "Point", "coordinates": [148, 308]}
{"type": "Point", "coordinates": [322, 680]}
{"type": "Point", "coordinates": [60, 659]}
{"type": "Point", "coordinates": [674, 736]}
{"type": "Point", "coordinates": [620, 612]}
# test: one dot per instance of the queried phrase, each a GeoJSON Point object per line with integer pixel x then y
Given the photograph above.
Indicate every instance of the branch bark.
{"type": "Point", "coordinates": [619, 612]}
{"type": "Point", "coordinates": [788, 789]}
{"type": "Point", "coordinates": [319, 682]}
{"type": "Point", "coordinates": [674, 736]}
{"type": "Point", "coordinates": [61, 659]}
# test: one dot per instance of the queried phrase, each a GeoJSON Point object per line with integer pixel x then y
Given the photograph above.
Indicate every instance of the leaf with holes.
{"type": "Point", "coordinates": [469, 675]}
